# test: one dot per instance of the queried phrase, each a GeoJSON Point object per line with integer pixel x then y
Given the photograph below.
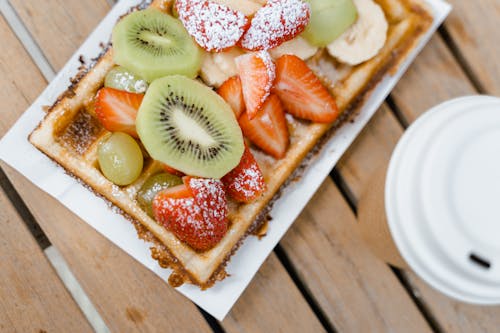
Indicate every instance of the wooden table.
{"type": "Point", "coordinates": [346, 287]}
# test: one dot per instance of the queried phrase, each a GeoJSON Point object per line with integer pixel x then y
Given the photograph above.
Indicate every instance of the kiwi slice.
{"type": "Point", "coordinates": [154, 44]}
{"type": "Point", "coordinates": [187, 126]}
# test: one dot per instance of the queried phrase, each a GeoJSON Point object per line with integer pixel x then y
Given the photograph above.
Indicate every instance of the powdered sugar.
{"type": "Point", "coordinates": [275, 23]}
{"type": "Point", "coordinates": [215, 27]}
{"type": "Point", "coordinates": [271, 71]}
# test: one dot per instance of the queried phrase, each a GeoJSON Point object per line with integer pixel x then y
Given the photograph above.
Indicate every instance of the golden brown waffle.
{"type": "Point", "coordinates": [70, 134]}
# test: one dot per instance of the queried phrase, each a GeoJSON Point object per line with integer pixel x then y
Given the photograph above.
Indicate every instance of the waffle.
{"type": "Point", "coordinates": [70, 134]}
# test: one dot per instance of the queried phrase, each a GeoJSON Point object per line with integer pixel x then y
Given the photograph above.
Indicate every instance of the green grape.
{"type": "Point", "coordinates": [122, 79]}
{"type": "Point", "coordinates": [329, 19]}
{"type": "Point", "coordinates": [152, 186]}
{"type": "Point", "coordinates": [120, 159]}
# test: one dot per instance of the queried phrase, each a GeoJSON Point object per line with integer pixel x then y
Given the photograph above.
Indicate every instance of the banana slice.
{"type": "Point", "coordinates": [225, 60]}
{"type": "Point", "coordinates": [210, 72]}
{"type": "Point", "coordinates": [364, 39]}
{"type": "Point", "coordinates": [247, 7]}
{"type": "Point", "coordinates": [297, 46]}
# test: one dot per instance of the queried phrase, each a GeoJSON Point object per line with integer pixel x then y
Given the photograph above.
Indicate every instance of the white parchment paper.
{"type": "Point", "coordinates": [16, 151]}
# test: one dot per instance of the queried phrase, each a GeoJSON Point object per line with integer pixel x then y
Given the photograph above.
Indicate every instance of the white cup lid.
{"type": "Point", "coordinates": [443, 198]}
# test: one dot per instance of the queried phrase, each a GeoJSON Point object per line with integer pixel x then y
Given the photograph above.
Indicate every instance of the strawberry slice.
{"type": "Point", "coordinates": [214, 26]}
{"type": "Point", "coordinates": [277, 22]}
{"type": "Point", "coordinates": [117, 110]}
{"type": "Point", "coordinates": [269, 130]}
{"type": "Point", "coordinates": [195, 212]}
{"type": "Point", "coordinates": [301, 91]}
{"type": "Point", "coordinates": [257, 74]}
{"type": "Point", "coordinates": [172, 171]}
{"type": "Point", "coordinates": [232, 93]}
{"type": "Point", "coordinates": [210, 196]}
{"type": "Point", "coordinates": [245, 183]}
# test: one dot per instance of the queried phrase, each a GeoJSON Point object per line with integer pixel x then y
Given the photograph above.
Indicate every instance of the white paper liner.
{"type": "Point", "coordinates": [218, 300]}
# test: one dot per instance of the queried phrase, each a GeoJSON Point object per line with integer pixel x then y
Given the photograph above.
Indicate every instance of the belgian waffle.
{"type": "Point", "coordinates": [70, 134]}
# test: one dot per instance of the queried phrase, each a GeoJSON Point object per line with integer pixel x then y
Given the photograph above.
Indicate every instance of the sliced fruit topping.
{"type": "Point", "coordinates": [275, 23]}
{"type": "Point", "coordinates": [187, 126]}
{"type": "Point", "coordinates": [200, 219]}
{"type": "Point", "coordinates": [214, 26]}
{"type": "Point", "coordinates": [297, 46]}
{"type": "Point", "coordinates": [152, 186]}
{"type": "Point", "coordinates": [363, 40]}
{"type": "Point", "coordinates": [247, 7]}
{"type": "Point", "coordinates": [172, 171]}
{"type": "Point", "coordinates": [301, 91]}
{"type": "Point", "coordinates": [122, 79]}
{"type": "Point", "coordinates": [233, 94]}
{"type": "Point", "coordinates": [245, 183]}
{"type": "Point", "coordinates": [329, 19]}
{"type": "Point", "coordinates": [268, 130]}
{"type": "Point", "coordinates": [257, 74]}
{"type": "Point", "coordinates": [120, 159]}
{"type": "Point", "coordinates": [210, 196]}
{"type": "Point", "coordinates": [154, 44]}
{"type": "Point", "coordinates": [117, 109]}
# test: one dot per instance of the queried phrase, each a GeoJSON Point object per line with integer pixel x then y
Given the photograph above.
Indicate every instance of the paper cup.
{"type": "Point", "coordinates": [440, 214]}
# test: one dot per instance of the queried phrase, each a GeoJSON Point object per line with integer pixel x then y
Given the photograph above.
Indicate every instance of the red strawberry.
{"type": "Point", "coordinates": [172, 171]}
{"type": "Point", "coordinates": [178, 192]}
{"type": "Point", "coordinates": [209, 195]}
{"type": "Point", "coordinates": [257, 73]}
{"type": "Point", "coordinates": [200, 220]}
{"type": "Point", "coordinates": [301, 91]}
{"type": "Point", "coordinates": [117, 109]}
{"type": "Point", "coordinates": [232, 93]}
{"type": "Point", "coordinates": [214, 26]}
{"type": "Point", "coordinates": [245, 183]}
{"type": "Point", "coordinates": [277, 22]}
{"type": "Point", "coordinates": [269, 130]}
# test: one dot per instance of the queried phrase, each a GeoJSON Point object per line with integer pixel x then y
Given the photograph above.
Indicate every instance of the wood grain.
{"type": "Point", "coordinates": [434, 77]}
{"type": "Point", "coordinates": [116, 283]}
{"type": "Point", "coordinates": [271, 303]}
{"type": "Point", "coordinates": [33, 297]}
{"type": "Point", "coordinates": [473, 28]}
{"type": "Point", "coordinates": [60, 26]}
{"type": "Point", "coordinates": [292, 301]}
{"type": "Point", "coordinates": [356, 291]}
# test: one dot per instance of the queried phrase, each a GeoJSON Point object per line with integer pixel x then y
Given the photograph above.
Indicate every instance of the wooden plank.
{"type": "Point", "coordinates": [427, 77]}
{"type": "Point", "coordinates": [271, 303]}
{"type": "Point", "coordinates": [294, 301]}
{"type": "Point", "coordinates": [435, 68]}
{"type": "Point", "coordinates": [473, 27]}
{"type": "Point", "coordinates": [128, 296]}
{"type": "Point", "coordinates": [33, 297]}
{"type": "Point", "coordinates": [349, 283]}
{"type": "Point", "coordinates": [60, 26]}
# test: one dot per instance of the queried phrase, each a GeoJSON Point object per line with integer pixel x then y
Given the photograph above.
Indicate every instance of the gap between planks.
{"type": "Point", "coordinates": [53, 255]}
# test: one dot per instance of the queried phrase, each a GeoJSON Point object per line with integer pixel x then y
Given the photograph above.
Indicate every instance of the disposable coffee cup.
{"type": "Point", "coordinates": [436, 208]}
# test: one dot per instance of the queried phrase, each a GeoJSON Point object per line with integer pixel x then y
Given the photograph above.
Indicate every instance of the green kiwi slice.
{"type": "Point", "coordinates": [154, 44]}
{"type": "Point", "coordinates": [187, 126]}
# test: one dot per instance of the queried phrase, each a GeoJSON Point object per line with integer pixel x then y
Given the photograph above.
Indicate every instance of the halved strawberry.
{"type": "Point", "coordinates": [269, 130]}
{"type": "Point", "coordinates": [177, 192]}
{"type": "Point", "coordinates": [232, 93]}
{"type": "Point", "coordinates": [172, 171]}
{"type": "Point", "coordinates": [117, 109]}
{"type": "Point", "coordinates": [245, 183]}
{"type": "Point", "coordinates": [210, 196]}
{"type": "Point", "coordinates": [214, 26]}
{"type": "Point", "coordinates": [277, 22]}
{"type": "Point", "coordinates": [200, 219]}
{"type": "Point", "coordinates": [301, 91]}
{"type": "Point", "coordinates": [257, 74]}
